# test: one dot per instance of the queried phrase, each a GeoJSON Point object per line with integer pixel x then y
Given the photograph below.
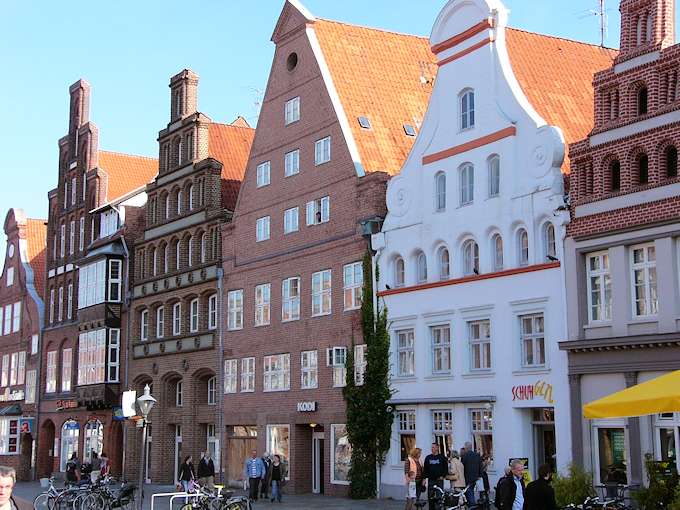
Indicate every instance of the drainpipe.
{"type": "Point", "coordinates": [38, 388]}
{"type": "Point", "coordinates": [375, 255]}
{"type": "Point", "coordinates": [127, 343]}
{"type": "Point", "coordinates": [220, 374]}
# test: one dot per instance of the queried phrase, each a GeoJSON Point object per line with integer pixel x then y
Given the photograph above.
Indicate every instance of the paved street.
{"type": "Point", "coordinates": [25, 492]}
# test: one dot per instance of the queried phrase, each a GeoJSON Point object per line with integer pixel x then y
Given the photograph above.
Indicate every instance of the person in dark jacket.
{"type": "Point", "coordinates": [206, 471]}
{"type": "Point", "coordinates": [435, 468]}
{"type": "Point", "coordinates": [277, 477]}
{"type": "Point", "coordinates": [539, 494]}
{"type": "Point", "coordinates": [186, 473]}
{"type": "Point", "coordinates": [510, 491]}
{"type": "Point", "coordinates": [264, 485]}
{"type": "Point", "coordinates": [472, 466]}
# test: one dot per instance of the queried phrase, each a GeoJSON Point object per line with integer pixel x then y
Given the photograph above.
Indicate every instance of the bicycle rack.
{"type": "Point", "coordinates": [172, 496]}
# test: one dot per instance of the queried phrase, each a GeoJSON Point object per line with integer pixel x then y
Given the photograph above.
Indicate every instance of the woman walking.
{"type": "Point", "coordinates": [456, 471]}
{"type": "Point", "coordinates": [413, 474]}
{"type": "Point", "coordinates": [186, 473]}
{"type": "Point", "coordinates": [277, 475]}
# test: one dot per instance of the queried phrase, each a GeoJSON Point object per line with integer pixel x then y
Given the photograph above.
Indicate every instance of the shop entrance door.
{"type": "Point", "coordinates": [317, 462]}
{"type": "Point", "coordinates": [545, 448]}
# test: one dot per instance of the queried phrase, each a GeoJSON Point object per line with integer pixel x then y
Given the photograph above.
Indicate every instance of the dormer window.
{"type": "Point", "coordinates": [467, 109]}
{"type": "Point", "coordinates": [642, 101]}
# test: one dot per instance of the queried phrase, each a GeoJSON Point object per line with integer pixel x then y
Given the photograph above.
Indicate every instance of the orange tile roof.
{"type": "Point", "coordinates": [230, 145]}
{"type": "Point", "coordinates": [36, 239]}
{"type": "Point", "coordinates": [378, 75]}
{"type": "Point", "coordinates": [557, 76]}
{"type": "Point", "coordinates": [126, 172]}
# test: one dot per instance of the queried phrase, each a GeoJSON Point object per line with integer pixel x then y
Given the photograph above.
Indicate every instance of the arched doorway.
{"type": "Point", "coordinates": [46, 451]}
{"type": "Point", "coordinates": [70, 433]}
{"type": "Point", "coordinates": [94, 439]}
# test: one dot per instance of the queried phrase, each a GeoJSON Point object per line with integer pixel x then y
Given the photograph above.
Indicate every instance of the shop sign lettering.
{"type": "Point", "coordinates": [13, 396]}
{"type": "Point", "coordinates": [66, 404]}
{"type": "Point", "coordinates": [540, 389]}
{"type": "Point", "coordinates": [306, 407]}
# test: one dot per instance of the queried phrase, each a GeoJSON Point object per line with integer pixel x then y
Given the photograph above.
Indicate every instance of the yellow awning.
{"type": "Point", "coordinates": [660, 395]}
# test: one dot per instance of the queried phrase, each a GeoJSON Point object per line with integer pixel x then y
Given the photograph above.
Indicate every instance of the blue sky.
{"type": "Point", "coordinates": [128, 51]}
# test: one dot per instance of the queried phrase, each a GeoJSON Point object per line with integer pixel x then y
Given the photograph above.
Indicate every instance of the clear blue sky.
{"type": "Point", "coordinates": [128, 50]}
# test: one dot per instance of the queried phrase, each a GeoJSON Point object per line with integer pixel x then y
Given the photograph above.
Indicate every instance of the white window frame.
{"type": "Point", "coordinates": [309, 370]}
{"type": "Point", "coordinates": [318, 211]}
{"type": "Point", "coordinates": [235, 309]}
{"type": "Point", "coordinates": [69, 301]}
{"type": "Point", "coordinates": [405, 341]}
{"type": "Point", "coordinates": [467, 109]}
{"type": "Point", "coordinates": [212, 391]}
{"type": "Point", "coordinates": [113, 361]}
{"type": "Point", "coordinates": [60, 307]}
{"type": "Point", "coordinates": [406, 426]}
{"type": "Point", "coordinates": [497, 252]}
{"type": "Point", "coordinates": [523, 256]}
{"type": "Point", "coordinates": [648, 269]}
{"type": "Point", "coordinates": [179, 393]}
{"type": "Point", "coordinates": [290, 300]}
{"type": "Point", "coordinates": [399, 272]}
{"type": "Point", "coordinates": [479, 342]}
{"type": "Point", "coordinates": [322, 287]}
{"type": "Point", "coordinates": [160, 322]}
{"type": "Point", "coordinates": [230, 376]}
{"type": "Point", "coordinates": [336, 358]}
{"type": "Point", "coordinates": [21, 368]}
{"type": "Point", "coordinates": [353, 285]}
{"type": "Point", "coordinates": [262, 229]}
{"type": "Point", "coordinates": [360, 363]}
{"type": "Point", "coordinates": [212, 312]}
{"type": "Point", "coordinates": [421, 267]}
{"type": "Point", "coordinates": [601, 312]}
{"type": "Point", "coordinates": [194, 315]}
{"type": "Point", "coordinates": [16, 317]}
{"type": "Point", "coordinates": [322, 151]}
{"type": "Point", "coordinates": [291, 110]}
{"type": "Point", "coordinates": [263, 174]}
{"type": "Point", "coordinates": [440, 192]}
{"type": "Point", "coordinates": [276, 372]}
{"type": "Point", "coordinates": [247, 375]}
{"type": "Point", "coordinates": [72, 238]}
{"type": "Point", "coordinates": [8, 319]}
{"type": "Point", "coordinates": [115, 285]}
{"type": "Point", "coordinates": [444, 262]}
{"type": "Point", "coordinates": [440, 349]}
{"type": "Point", "coordinates": [549, 243]}
{"type": "Point", "coordinates": [144, 325]}
{"type": "Point", "coordinates": [494, 166]}
{"type": "Point", "coordinates": [177, 318]}
{"type": "Point", "coordinates": [51, 372]}
{"type": "Point", "coordinates": [470, 257]}
{"type": "Point", "coordinates": [263, 304]}
{"type": "Point", "coordinates": [31, 384]}
{"type": "Point", "coordinates": [535, 337]}
{"type": "Point", "coordinates": [467, 184]}
{"type": "Point", "coordinates": [4, 377]}
{"type": "Point", "coordinates": [66, 366]}
{"type": "Point", "coordinates": [9, 281]}
{"type": "Point", "coordinates": [291, 222]}
{"type": "Point", "coordinates": [291, 163]}
{"type": "Point", "coordinates": [81, 236]}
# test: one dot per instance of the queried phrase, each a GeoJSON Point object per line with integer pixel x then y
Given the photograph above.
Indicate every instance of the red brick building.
{"type": "Point", "coordinates": [21, 310]}
{"type": "Point", "coordinates": [175, 339]}
{"type": "Point", "coordinates": [621, 251]}
{"type": "Point", "coordinates": [342, 106]}
{"type": "Point", "coordinates": [83, 336]}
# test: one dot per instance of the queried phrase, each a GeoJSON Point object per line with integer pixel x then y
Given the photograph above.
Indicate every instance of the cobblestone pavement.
{"type": "Point", "coordinates": [25, 492]}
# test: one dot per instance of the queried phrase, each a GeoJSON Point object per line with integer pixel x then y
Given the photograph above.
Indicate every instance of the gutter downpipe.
{"type": "Point", "coordinates": [127, 342]}
{"type": "Point", "coordinates": [375, 255]}
{"type": "Point", "coordinates": [220, 374]}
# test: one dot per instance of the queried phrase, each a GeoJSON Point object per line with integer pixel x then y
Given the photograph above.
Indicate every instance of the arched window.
{"type": "Point", "coordinates": [144, 325]}
{"type": "Point", "coordinates": [154, 261]}
{"type": "Point", "coordinates": [70, 432]}
{"type": "Point", "coordinates": [167, 206]}
{"type": "Point", "coordinates": [522, 247]}
{"type": "Point", "coordinates": [642, 100]}
{"type": "Point", "coordinates": [212, 312]}
{"type": "Point", "coordinates": [190, 247]}
{"type": "Point", "coordinates": [494, 163]}
{"type": "Point", "coordinates": [421, 267]}
{"type": "Point", "coordinates": [470, 257]}
{"type": "Point", "coordinates": [178, 255]}
{"type": "Point", "coordinates": [615, 174]}
{"type": "Point", "coordinates": [467, 183]}
{"type": "Point", "coordinates": [443, 259]}
{"type": "Point", "coordinates": [193, 316]}
{"type": "Point", "coordinates": [497, 250]}
{"type": "Point", "coordinates": [440, 191]}
{"type": "Point", "coordinates": [212, 391]}
{"type": "Point", "coordinates": [160, 322]}
{"type": "Point", "coordinates": [180, 151]}
{"type": "Point", "coordinates": [204, 248]}
{"type": "Point", "coordinates": [640, 29]}
{"type": "Point", "coordinates": [166, 268]}
{"type": "Point", "coordinates": [94, 439]}
{"type": "Point", "coordinates": [467, 109]}
{"type": "Point", "coordinates": [648, 27]}
{"type": "Point", "coordinates": [399, 272]}
{"type": "Point", "coordinates": [179, 201]}
{"type": "Point", "coordinates": [642, 163]}
{"type": "Point", "coordinates": [671, 161]}
{"type": "Point", "coordinates": [549, 240]}
{"type": "Point", "coordinates": [191, 197]}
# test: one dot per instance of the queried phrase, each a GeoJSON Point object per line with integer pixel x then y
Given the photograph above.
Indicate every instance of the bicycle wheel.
{"type": "Point", "coordinates": [237, 505]}
{"type": "Point", "coordinates": [42, 502]}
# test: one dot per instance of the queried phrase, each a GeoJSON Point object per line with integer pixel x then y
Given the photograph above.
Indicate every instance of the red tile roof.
{"type": "Point", "coordinates": [230, 145]}
{"type": "Point", "coordinates": [36, 239]}
{"type": "Point", "coordinates": [126, 172]}
{"type": "Point", "coordinates": [379, 75]}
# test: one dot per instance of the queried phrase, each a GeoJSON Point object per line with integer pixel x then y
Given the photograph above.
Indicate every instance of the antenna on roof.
{"type": "Point", "coordinates": [601, 13]}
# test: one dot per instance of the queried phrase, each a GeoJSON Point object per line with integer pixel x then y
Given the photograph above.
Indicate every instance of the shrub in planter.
{"type": "Point", "coordinates": [663, 484]}
{"type": "Point", "coordinates": [573, 487]}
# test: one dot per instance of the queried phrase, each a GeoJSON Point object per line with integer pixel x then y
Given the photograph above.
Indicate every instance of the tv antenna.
{"type": "Point", "coordinates": [601, 13]}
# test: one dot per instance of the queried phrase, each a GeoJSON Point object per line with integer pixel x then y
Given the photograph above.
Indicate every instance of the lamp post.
{"type": "Point", "coordinates": [145, 403]}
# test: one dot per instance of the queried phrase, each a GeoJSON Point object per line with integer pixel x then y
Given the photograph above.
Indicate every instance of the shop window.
{"type": "Point", "coordinates": [406, 422]}
{"type": "Point", "coordinates": [94, 439]}
{"type": "Point", "coordinates": [9, 436]}
{"type": "Point", "coordinates": [442, 430]}
{"type": "Point", "coordinates": [278, 443]}
{"type": "Point", "coordinates": [341, 454]}
{"type": "Point", "coordinates": [481, 424]}
{"type": "Point", "coordinates": [70, 432]}
{"type": "Point", "coordinates": [612, 455]}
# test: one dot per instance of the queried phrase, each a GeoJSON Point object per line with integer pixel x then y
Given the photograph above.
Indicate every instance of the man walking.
{"type": "Point", "coordinates": [435, 468]}
{"type": "Point", "coordinates": [8, 477]}
{"type": "Point", "coordinates": [510, 494]}
{"type": "Point", "coordinates": [255, 472]}
{"type": "Point", "coordinates": [472, 466]}
{"type": "Point", "coordinates": [264, 485]}
{"type": "Point", "coordinates": [206, 471]}
{"type": "Point", "coordinates": [539, 494]}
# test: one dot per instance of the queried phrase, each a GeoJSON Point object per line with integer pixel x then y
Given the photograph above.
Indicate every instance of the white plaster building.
{"type": "Point", "coordinates": [470, 250]}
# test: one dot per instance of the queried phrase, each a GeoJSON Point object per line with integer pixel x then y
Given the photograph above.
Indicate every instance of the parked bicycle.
{"type": "Point", "coordinates": [203, 499]}
{"type": "Point", "coordinates": [452, 499]}
{"type": "Point", "coordinates": [85, 495]}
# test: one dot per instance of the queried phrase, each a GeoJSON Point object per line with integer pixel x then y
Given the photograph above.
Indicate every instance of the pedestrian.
{"type": "Point", "coordinates": [435, 469]}
{"type": "Point", "coordinates": [254, 472]}
{"type": "Point", "coordinates": [8, 478]}
{"type": "Point", "coordinates": [413, 473]}
{"type": "Point", "coordinates": [264, 485]}
{"type": "Point", "coordinates": [277, 477]}
{"type": "Point", "coordinates": [456, 474]}
{"type": "Point", "coordinates": [539, 494]}
{"type": "Point", "coordinates": [472, 464]}
{"type": "Point", "coordinates": [510, 490]}
{"type": "Point", "coordinates": [186, 474]}
{"type": "Point", "coordinates": [96, 464]}
{"type": "Point", "coordinates": [105, 464]}
{"type": "Point", "coordinates": [486, 462]}
{"type": "Point", "coordinates": [206, 471]}
{"type": "Point", "coordinates": [73, 469]}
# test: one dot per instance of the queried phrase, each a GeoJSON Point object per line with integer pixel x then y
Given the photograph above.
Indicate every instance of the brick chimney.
{"type": "Point", "coordinates": [646, 26]}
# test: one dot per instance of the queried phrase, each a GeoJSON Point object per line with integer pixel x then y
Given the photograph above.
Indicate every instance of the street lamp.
{"type": "Point", "coordinates": [145, 403]}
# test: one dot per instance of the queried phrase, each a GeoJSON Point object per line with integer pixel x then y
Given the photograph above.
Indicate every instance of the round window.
{"type": "Point", "coordinates": [292, 61]}
{"type": "Point", "coordinates": [10, 250]}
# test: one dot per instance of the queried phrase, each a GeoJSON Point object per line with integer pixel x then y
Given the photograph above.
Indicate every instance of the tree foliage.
{"type": "Point", "coordinates": [369, 417]}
